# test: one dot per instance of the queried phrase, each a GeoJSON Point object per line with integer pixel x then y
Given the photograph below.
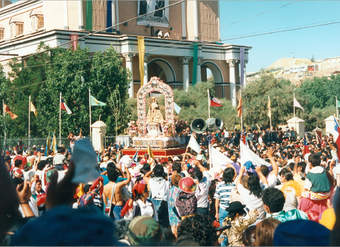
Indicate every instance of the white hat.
{"type": "Point", "coordinates": [176, 158]}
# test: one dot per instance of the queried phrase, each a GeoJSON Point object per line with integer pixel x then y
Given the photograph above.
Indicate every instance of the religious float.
{"type": "Point", "coordinates": [154, 130]}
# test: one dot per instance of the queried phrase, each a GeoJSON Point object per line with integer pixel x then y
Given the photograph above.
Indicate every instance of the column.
{"type": "Point", "coordinates": [199, 78]}
{"type": "Point", "coordinates": [117, 15]}
{"type": "Point", "coordinates": [244, 75]}
{"type": "Point", "coordinates": [232, 79]}
{"type": "Point", "coordinates": [185, 64]}
{"type": "Point", "coordinates": [65, 14]}
{"type": "Point", "coordinates": [146, 58]}
{"type": "Point", "coordinates": [184, 21]}
{"type": "Point", "coordinates": [80, 14]}
{"type": "Point", "coordinates": [196, 4]}
{"type": "Point", "coordinates": [129, 67]}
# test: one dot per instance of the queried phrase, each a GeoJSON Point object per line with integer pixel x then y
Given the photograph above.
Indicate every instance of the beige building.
{"type": "Point", "coordinates": [171, 28]}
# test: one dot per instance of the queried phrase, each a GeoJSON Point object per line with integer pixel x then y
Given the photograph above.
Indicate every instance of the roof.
{"type": "Point", "coordinates": [98, 124]}
{"type": "Point", "coordinates": [295, 119]}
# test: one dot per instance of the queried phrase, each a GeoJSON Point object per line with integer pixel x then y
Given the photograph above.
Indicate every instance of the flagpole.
{"type": "Point", "coordinates": [294, 104]}
{"type": "Point", "coordinates": [90, 111]}
{"type": "Point", "coordinates": [241, 112]}
{"type": "Point", "coordinates": [60, 118]}
{"type": "Point", "coordinates": [4, 117]}
{"type": "Point", "coordinates": [270, 115]}
{"type": "Point", "coordinates": [336, 105]}
{"type": "Point", "coordinates": [208, 103]}
{"type": "Point", "coordinates": [29, 120]}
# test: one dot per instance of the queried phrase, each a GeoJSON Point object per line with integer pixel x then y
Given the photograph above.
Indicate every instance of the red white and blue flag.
{"type": "Point", "coordinates": [215, 102]}
{"type": "Point", "coordinates": [305, 146]}
{"type": "Point", "coordinates": [336, 135]}
{"type": "Point", "coordinates": [64, 107]}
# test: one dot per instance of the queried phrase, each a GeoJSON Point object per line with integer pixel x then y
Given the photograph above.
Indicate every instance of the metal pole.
{"type": "Point", "coordinates": [4, 117]}
{"type": "Point", "coordinates": [90, 111]}
{"type": "Point", "coordinates": [294, 103]}
{"type": "Point", "coordinates": [241, 111]}
{"type": "Point", "coordinates": [208, 103]}
{"type": "Point", "coordinates": [337, 107]}
{"type": "Point", "coordinates": [270, 113]}
{"type": "Point", "coordinates": [29, 121]}
{"type": "Point", "coordinates": [60, 118]}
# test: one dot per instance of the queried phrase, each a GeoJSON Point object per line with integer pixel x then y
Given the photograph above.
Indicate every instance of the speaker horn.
{"type": "Point", "coordinates": [214, 123]}
{"type": "Point", "coordinates": [198, 125]}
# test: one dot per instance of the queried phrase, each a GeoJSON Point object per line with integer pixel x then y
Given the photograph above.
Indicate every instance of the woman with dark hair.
{"type": "Point", "coordinates": [264, 233]}
{"type": "Point", "coordinates": [251, 193]}
{"type": "Point", "coordinates": [113, 191]}
{"type": "Point", "coordinates": [173, 194]}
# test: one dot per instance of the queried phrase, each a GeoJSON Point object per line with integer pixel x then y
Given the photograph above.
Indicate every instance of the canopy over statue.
{"type": "Point", "coordinates": [154, 117]}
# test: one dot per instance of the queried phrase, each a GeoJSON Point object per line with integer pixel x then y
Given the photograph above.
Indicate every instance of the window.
{"type": "Point", "coordinates": [19, 28]}
{"type": "Point", "coordinates": [2, 33]}
{"type": "Point", "coordinates": [40, 20]}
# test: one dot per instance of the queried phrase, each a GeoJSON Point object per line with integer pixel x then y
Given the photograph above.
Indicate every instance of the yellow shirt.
{"type": "Point", "coordinates": [328, 218]}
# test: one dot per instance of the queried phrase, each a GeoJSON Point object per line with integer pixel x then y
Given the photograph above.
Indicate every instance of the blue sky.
{"type": "Point", "coordinates": [242, 17]}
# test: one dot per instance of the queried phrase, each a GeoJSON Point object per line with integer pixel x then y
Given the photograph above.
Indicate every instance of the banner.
{"type": "Point", "coordinates": [194, 68]}
{"type": "Point", "coordinates": [246, 154]}
{"type": "Point", "coordinates": [141, 53]}
{"type": "Point", "coordinates": [177, 108]}
{"type": "Point", "coordinates": [89, 15]}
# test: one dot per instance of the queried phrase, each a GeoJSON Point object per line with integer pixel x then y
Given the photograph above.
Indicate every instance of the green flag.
{"type": "Point", "coordinates": [194, 69]}
{"type": "Point", "coordinates": [338, 103]}
{"type": "Point", "coordinates": [95, 102]}
{"type": "Point", "coordinates": [89, 15]}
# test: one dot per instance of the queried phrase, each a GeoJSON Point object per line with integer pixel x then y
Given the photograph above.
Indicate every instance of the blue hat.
{"type": "Point", "coordinates": [249, 165]}
{"type": "Point", "coordinates": [301, 233]}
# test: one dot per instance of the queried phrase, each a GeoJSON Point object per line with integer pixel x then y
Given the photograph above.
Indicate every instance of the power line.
{"type": "Point", "coordinates": [110, 27]}
{"type": "Point", "coordinates": [282, 30]}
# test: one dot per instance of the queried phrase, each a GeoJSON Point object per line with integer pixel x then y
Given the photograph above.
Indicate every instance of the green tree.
{"type": "Point", "coordinates": [255, 98]}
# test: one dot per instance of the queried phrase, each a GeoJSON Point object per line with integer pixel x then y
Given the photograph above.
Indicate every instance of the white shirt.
{"type": "Point", "coordinates": [251, 201]}
{"type": "Point", "coordinates": [146, 209]}
{"type": "Point", "coordinates": [202, 191]}
{"type": "Point", "coordinates": [159, 188]}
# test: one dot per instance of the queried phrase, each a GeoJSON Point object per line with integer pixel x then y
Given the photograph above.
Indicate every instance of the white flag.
{"type": "Point", "coordinates": [177, 108]}
{"type": "Point", "coordinates": [218, 160]}
{"type": "Point", "coordinates": [246, 154]}
{"type": "Point", "coordinates": [297, 104]}
{"type": "Point", "coordinates": [193, 144]}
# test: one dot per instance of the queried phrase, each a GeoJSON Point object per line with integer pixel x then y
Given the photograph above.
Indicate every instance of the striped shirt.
{"type": "Point", "coordinates": [223, 193]}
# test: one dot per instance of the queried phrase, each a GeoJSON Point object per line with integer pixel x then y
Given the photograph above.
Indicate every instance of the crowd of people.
{"type": "Point", "coordinates": [77, 196]}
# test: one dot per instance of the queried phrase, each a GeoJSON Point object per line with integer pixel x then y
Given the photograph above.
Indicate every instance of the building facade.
{"type": "Point", "coordinates": [171, 30]}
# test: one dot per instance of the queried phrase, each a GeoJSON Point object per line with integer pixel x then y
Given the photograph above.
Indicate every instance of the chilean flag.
{"type": "Point", "coordinates": [336, 136]}
{"type": "Point", "coordinates": [215, 102]}
{"type": "Point", "coordinates": [64, 107]}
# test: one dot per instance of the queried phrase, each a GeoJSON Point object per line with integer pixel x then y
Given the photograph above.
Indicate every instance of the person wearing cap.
{"type": "Point", "coordinates": [145, 231]}
{"type": "Point", "coordinates": [238, 224]}
{"type": "Point", "coordinates": [186, 202]}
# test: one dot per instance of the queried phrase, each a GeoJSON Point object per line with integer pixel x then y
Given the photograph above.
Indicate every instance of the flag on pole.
{"type": "Point", "coordinates": [54, 144]}
{"type": "Point", "coordinates": [177, 108]}
{"type": "Point", "coordinates": [246, 154]}
{"type": "Point", "coordinates": [64, 107]}
{"type": "Point", "coordinates": [305, 146]}
{"type": "Point", "coordinates": [338, 103]}
{"type": "Point", "coordinates": [297, 104]}
{"type": "Point", "coordinates": [239, 107]}
{"type": "Point", "coordinates": [135, 157]}
{"type": "Point", "coordinates": [95, 102]}
{"type": "Point", "coordinates": [48, 143]}
{"type": "Point", "coordinates": [193, 144]}
{"type": "Point", "coordinates": [141, 51]}
{"type": "Point", "coordinates": [215, 102]}
{"type": "Point", "coordinates": [150, 152]}
{"type": "Point", "coordinates": [33, 109]}
{"type": "Point", "coordinates": [218, 159]}
{"type": "Point", "coordinates": [335, 131]}
{"type": "Point", "coordinates": [269, 108]}
{"type": "Point", "coordinates": [6, 109]}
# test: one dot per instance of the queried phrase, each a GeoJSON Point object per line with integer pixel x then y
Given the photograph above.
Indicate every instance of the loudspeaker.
{"type": "Point", "coordinates": [214, 123]}
{"type": "Point", "coordinates": [198, 125]}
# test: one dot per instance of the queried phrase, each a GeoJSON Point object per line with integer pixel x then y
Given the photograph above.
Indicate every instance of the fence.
{"type": "Point", "coordinates": [41, 142]}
